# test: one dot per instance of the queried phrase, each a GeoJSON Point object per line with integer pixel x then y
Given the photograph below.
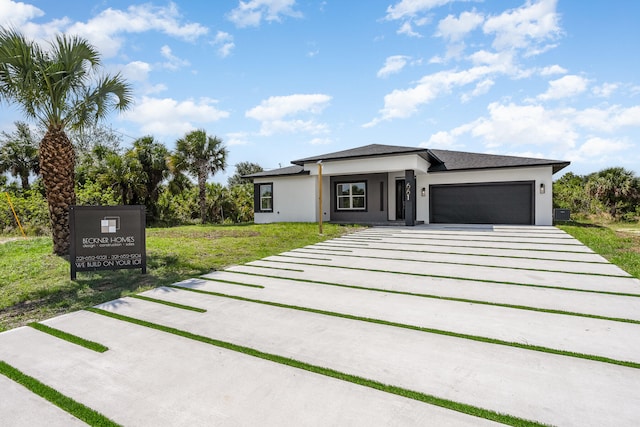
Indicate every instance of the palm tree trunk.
{"type": "Point", "coordinates": [25, 181]}
{"type": "Point", "coordinates": [57, 160]}
{"type": "Point", "coordinates": [202, 192]}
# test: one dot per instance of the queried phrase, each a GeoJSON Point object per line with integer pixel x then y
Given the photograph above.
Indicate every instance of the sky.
{"type": "Point", "coordinates": [280, 80]}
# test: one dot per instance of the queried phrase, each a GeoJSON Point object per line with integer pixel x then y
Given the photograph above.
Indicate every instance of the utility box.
{"type": "Point", "coordinates": [562, 215]}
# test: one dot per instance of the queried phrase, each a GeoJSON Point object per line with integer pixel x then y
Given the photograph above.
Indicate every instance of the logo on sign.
{"type": "Point", "coordinates": [109, 224]}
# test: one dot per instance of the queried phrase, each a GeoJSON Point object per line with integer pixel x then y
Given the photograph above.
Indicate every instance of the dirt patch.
{"type": "Point", "coordinates": [8, 239]}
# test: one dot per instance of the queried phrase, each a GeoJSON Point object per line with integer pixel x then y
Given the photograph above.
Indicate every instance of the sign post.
{"type": "Point", "coordinates": [107, 238]}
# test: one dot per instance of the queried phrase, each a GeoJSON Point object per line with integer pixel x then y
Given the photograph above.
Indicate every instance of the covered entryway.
{"type": "Point", "coordinates": [483, 203]}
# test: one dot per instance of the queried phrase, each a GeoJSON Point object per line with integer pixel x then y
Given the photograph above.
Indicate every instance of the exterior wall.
{"type": "Point", "coordinates": [376, 207]}
{"type": "Point", "coordinates": [541, 175]}
{"type": "Point", "coordinates": [294, 199]}
{"type": "Point", "coordinates": [370, 165]}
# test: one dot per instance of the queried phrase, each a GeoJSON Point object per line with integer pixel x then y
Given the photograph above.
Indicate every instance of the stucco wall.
{"type": "Point", "coordinates": [294, 200]}
{"type": "Point", "coordinates": [541, 175]}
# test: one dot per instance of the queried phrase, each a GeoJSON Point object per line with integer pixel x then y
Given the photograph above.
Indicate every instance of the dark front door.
{"type": "Point", "coordinates": [400, 199]}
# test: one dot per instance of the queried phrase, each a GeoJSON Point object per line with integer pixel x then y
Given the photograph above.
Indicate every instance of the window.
{"type": "Point", "coordinates": [264, 197]}
{"type": "Point", "coordinates": [351, 196]}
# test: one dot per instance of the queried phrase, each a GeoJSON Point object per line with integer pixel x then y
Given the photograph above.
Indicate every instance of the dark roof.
{"type": "Point", "coordinates": [440, 160]}
{"type": "Point", "coordinates": [372, 150]}
{"type": "Point", "coordinates": [289, 170]}
{"type": "Point", "coordinates": [446, 160]}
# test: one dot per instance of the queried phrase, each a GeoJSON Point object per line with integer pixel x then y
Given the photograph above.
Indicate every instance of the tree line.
{"type": "Point", "coordinates": [171, 184]}
{"type": "Point", "coordinates": [612, 193]}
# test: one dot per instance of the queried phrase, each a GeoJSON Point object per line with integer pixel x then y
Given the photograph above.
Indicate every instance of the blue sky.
{"type": "Point", "coordinates": [279, 80]}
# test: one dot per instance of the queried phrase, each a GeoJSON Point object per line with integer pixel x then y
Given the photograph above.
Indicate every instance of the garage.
{"type": "Point", "coordinates": [483, 203]}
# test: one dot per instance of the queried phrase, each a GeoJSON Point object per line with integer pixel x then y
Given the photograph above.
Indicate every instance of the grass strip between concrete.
{"type": "Point", "coordinates": [74, 339]}
{"type": "Point", "coordinates": [441, 276]}
{"type": "Point", "coordinates": [439, 237]}
{"type": "Point", "coordinates": [169, 303]}
{"type": "Point", "coordinates": [65, 403]}
{"type": "Point", "coordinates": [364, 239]}
{"type": "Point", "coordinates": [231, 282]}
{"type": "Point", "coordinates": [440, 297]}
{"type": "Point", "coordinates": [323, 245]}
{"type": "Point", "coordinates": [465, 264]}
{"type": "Point", "coordinates": [426, 398]}
{"type": "Point", "coordinates": [470, 337]}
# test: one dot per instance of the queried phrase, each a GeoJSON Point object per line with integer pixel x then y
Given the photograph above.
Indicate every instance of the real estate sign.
{"type": "Point", "coordinates": [107, 238]}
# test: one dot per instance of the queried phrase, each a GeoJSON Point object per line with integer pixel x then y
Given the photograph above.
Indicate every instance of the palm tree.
{"type": "Point", "coordinates": [60, 88]}
{"type": "Point", "coordinates": [200, 155]}
{"type": "Point", "coordinates": [618, 189]}
{"type": "Point", "coordinates": [153, 158]}
{"type": "Point", "coordinates": [19, 154]}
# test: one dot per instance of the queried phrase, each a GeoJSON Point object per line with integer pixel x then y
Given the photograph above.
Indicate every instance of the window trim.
{"type": "Point", "coordinates": [351, 196]}
{"type": "Point", "coordinates": [258, 197]}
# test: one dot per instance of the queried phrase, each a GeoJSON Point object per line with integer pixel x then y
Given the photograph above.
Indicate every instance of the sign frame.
{"type": "Point", "coordinates": [99, 241]}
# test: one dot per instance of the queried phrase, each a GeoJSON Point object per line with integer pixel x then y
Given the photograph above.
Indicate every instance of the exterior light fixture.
{"type": "Point", "coordinates": [542, 188]}
{"type": "Point", "coordinates": [423, 192]}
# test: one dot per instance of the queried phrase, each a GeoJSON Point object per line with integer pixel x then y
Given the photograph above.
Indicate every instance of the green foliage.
{"type": "Point", "coordinates": [613, 193]}
{"type": "Point", "coordinates": [242, 169]}
{"type": "Point", "coordinates": [31, 209]}
{"type": "Point", "coordinates": [19, 153]}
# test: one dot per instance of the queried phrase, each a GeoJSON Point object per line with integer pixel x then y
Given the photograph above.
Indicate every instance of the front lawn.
{"type": "Point", "coordinates": [35, 284]}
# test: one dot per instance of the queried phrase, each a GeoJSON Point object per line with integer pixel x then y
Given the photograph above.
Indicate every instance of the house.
{"type": "Point", "coordinates": [386, 184]}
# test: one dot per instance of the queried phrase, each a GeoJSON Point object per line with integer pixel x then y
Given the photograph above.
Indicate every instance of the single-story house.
{"type": "Point", "coordinates": [386, 184]}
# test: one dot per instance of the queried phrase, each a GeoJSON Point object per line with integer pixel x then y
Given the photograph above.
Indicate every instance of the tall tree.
{"type": "Point", "coordinates": [617, 188]}
{"type": "Point", "coordinates": [200, 155]}
{"type": "Point", "coordinates": [19, 153]}
{"type": "Point", "coordinates": [60, 87]}
{"type": "Point", "coordinates": [153, 158]}
{"type": "Point", "coordinates": [242, 169]}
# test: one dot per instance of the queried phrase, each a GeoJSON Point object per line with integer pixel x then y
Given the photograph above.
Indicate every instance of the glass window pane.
{"type": "Point", "coordinates": [358, 189]}
{"type": "Point", "coordinates": [265, 204]}
{"type": "Point", "coordinates": [343, 203]}
{"type": "Point", "coordinates": [358, 202]}
{"type": "Point", "coordinates": [265, 190]}
{"type": "Point", "coordinates": [343, 189]}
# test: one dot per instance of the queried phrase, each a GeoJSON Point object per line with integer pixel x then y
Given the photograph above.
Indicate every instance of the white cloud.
{"type": "Point", "coordinates": [605, 90]}
{"type": "Point", "coordinates": [565, 87]}
{"type": "Point", "coordinates": [251, 13]}
{"type": "Point", "coordinates": [597, 147]}
{"type": "Point", "coordinates": [224, 42]}
{"type": "Point", "coordinates": [136, 71]}
{"type": "Point", "coordinates": [407, 29]}
{"type": "Point", "coordinates": [320, 141]}
{"type": "Point", "coordinates": [455, 29]}
{"type": "Point", "coordinates": [236, 138]}
{"type": "Point", "coordinates": [173, 62]}
{"type": "Point", "coordinates": [481, 88]}
{"type": "Point", "coordinates": [277, 107]}
{"type": "Point", "coordinates": [393, 65]}
{"type": "Point", "coordinates": [105, 30]}
{"type": "Point", "coordinates": [273, 111]}
{"type": "Point", "coordinates": [404, 103]}
{"type": "Point", "coordinates": [15, 14]}
{"type": "Point", "coordinates": [534, 22]}
{"type": "Point", "coordinates": [610, 119]}
{"type": "Point", "coordinates": [551, 70]}
{"type": "Point", "coordinates": [411, 8]}
{"type": "Point", "coordinates": [169, 117]}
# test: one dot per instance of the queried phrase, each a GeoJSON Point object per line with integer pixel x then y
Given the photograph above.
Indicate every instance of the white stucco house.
{"type": "Point", "coordinates": [385, 184]}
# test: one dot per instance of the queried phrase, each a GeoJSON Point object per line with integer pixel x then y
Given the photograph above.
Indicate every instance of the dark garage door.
{"type": "Point", "coordinates": [482, 203]}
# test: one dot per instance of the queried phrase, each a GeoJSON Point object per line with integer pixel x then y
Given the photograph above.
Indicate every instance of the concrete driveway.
{"type": "Point", "coordinates": [521, 321]}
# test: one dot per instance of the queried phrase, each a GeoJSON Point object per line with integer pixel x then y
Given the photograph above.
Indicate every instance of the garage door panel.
{"type": "Point", "coordinates": [482, 203]}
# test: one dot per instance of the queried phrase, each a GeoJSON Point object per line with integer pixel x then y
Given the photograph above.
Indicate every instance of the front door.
{"type": "Point", "coordinates": [400, 199]}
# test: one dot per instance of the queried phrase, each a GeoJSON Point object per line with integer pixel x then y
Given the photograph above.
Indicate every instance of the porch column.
{"type": "Point", "coordinates": [409, 197]}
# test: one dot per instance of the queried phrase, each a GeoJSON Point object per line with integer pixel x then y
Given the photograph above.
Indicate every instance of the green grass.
{"type": "Point", "coordinates": [35, 283]}
{"type": "Point", "coordinates": [411, 394]}
{"type": "Point", "coordinates": [470, 337]}
{"type": "Point", "coordinates": [66, 403]}
{"type": "Point", "coordinates": [619, 243]}
{"type": "Point", "coordinates": [91, 345]}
